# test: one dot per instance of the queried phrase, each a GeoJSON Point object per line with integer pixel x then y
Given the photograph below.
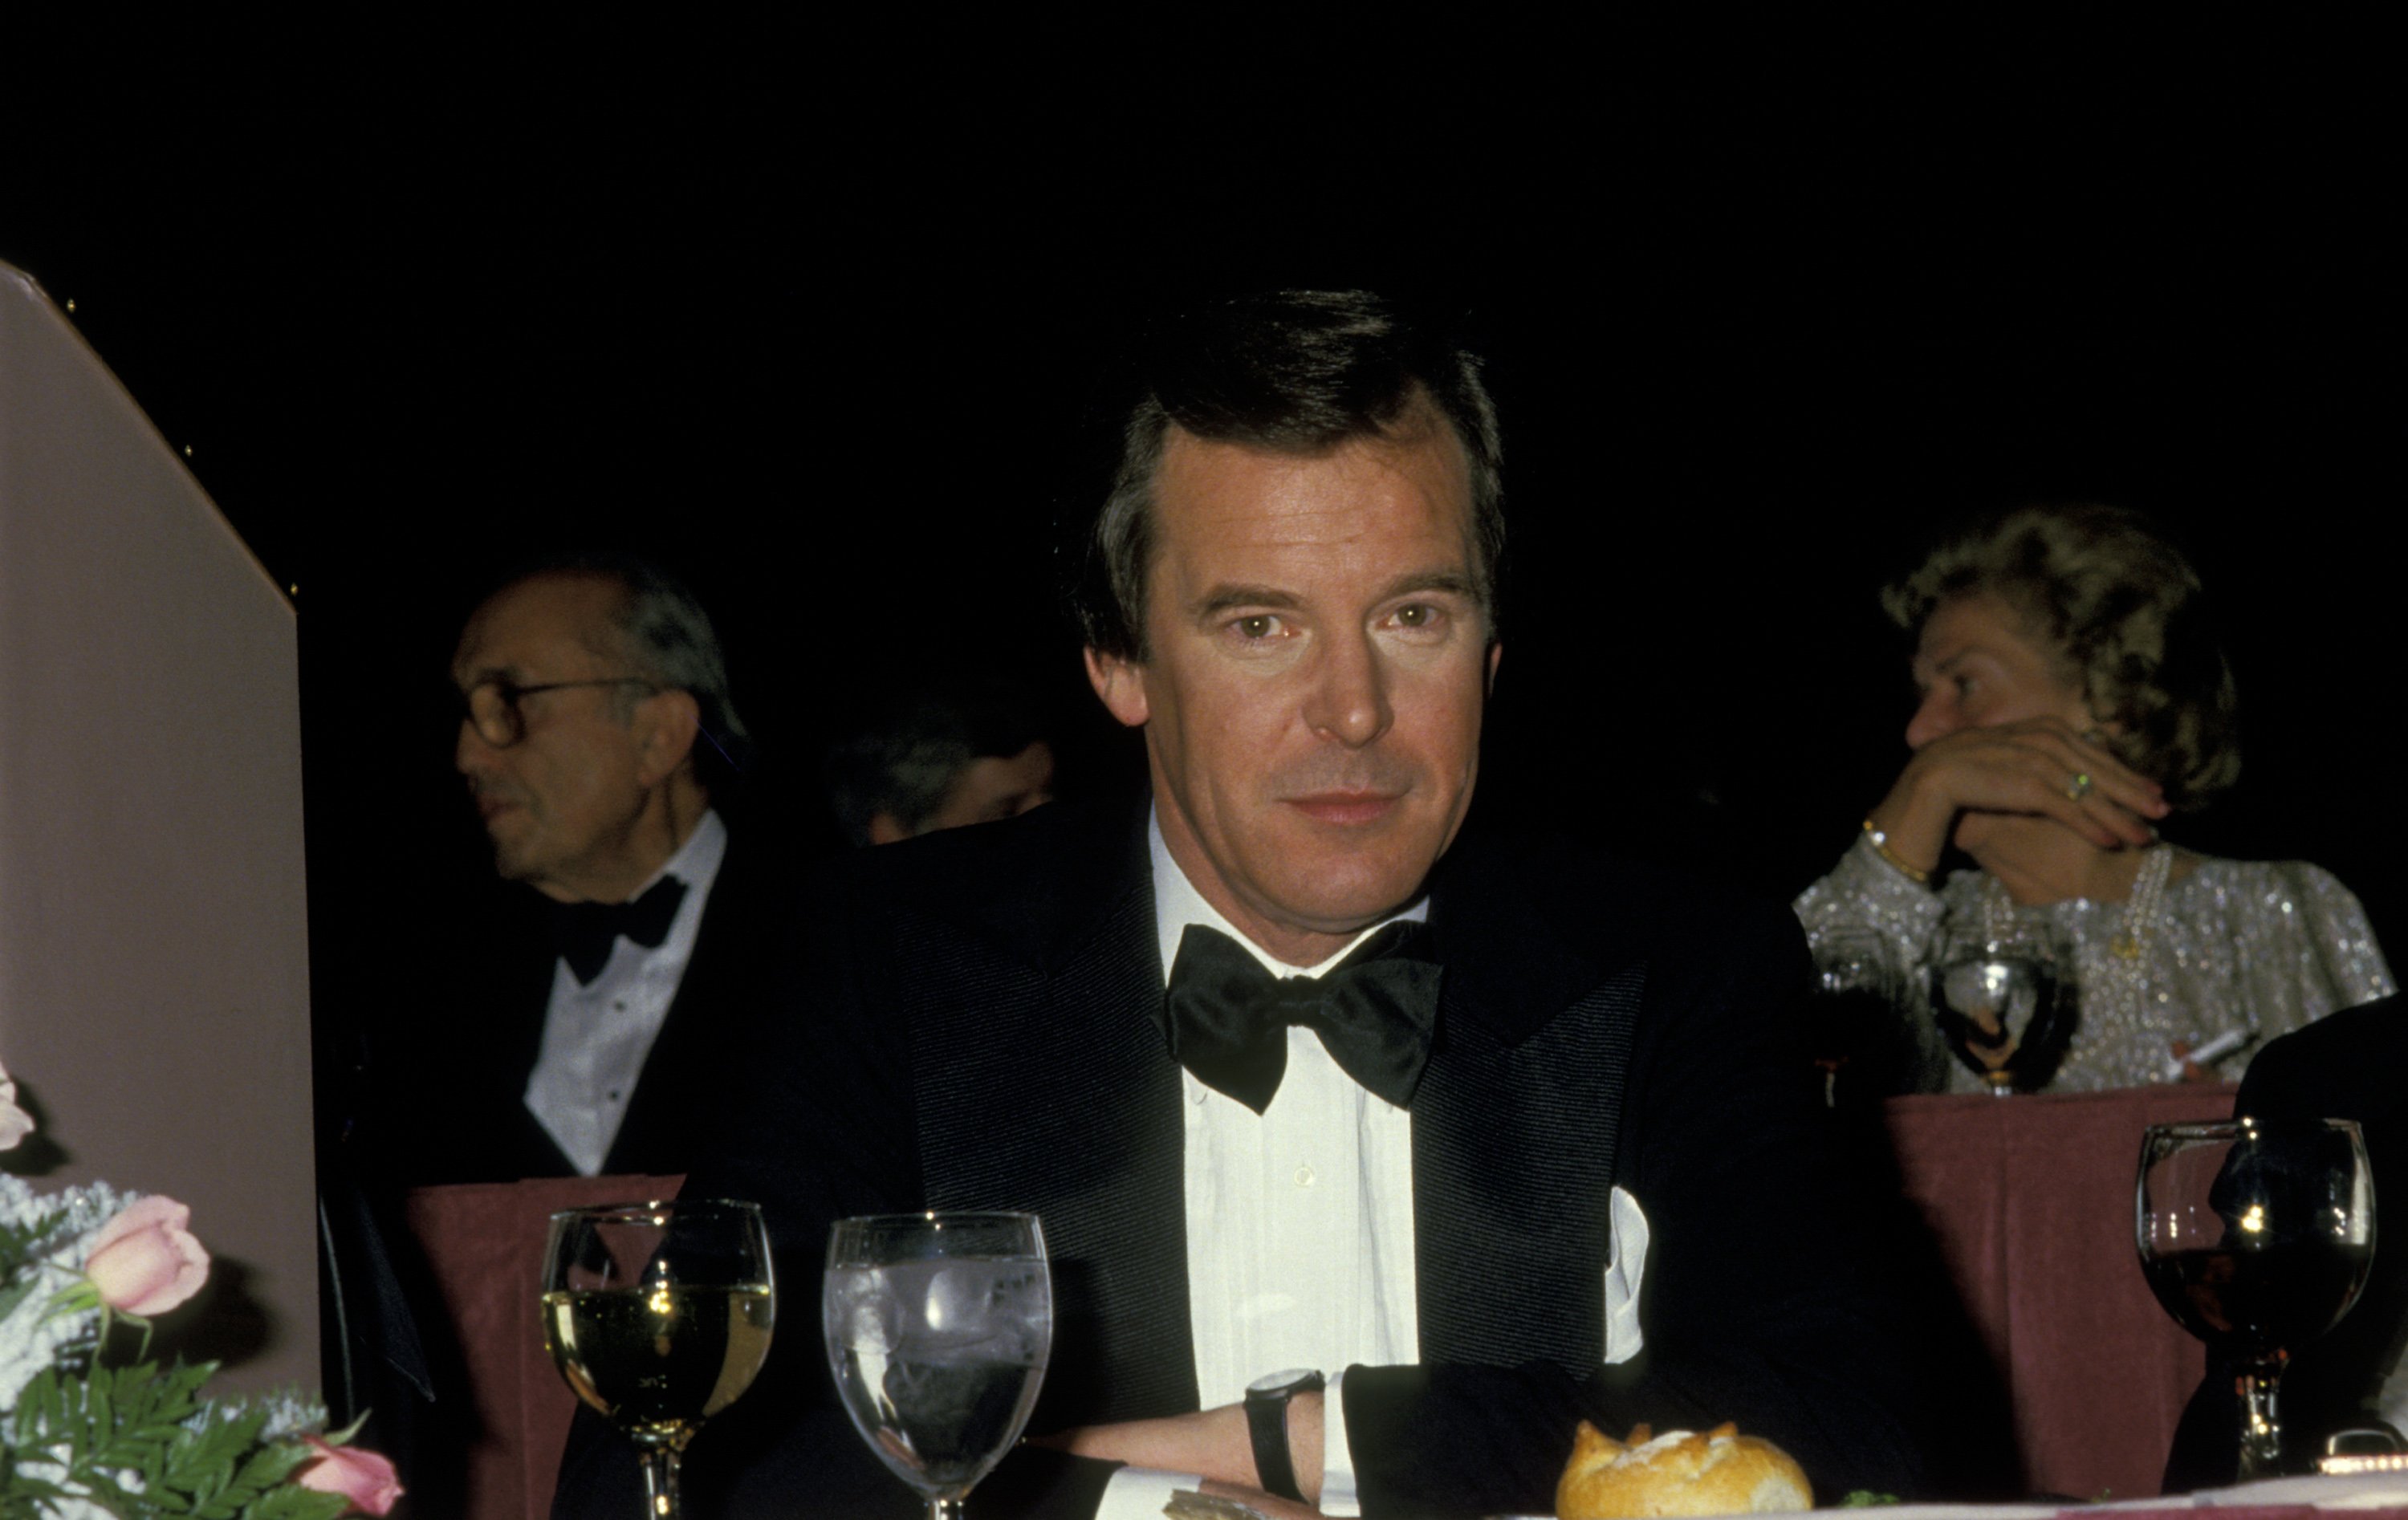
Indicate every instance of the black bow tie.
{"type": "Point", "coordinates": [1227, 1018]}
{"type": "Point", "coordinates": [584, 930]}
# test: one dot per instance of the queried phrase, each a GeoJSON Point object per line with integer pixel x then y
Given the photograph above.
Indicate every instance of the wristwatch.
{"type": "Point", "coordinates": [1267, 1401]}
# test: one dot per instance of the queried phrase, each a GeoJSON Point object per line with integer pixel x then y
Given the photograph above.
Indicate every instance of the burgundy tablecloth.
{"type": "Point", "coordinates": [2031, 1200]}
{"type": "Point", "coordinates": [485, 1243]}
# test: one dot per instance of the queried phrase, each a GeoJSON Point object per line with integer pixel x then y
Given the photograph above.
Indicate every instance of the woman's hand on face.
{"type": "Point", "coordinates": [2035, 767]}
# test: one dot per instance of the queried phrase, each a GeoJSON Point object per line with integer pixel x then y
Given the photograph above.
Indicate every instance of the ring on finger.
{"type": "Point", "coordinates": [2079, 787]}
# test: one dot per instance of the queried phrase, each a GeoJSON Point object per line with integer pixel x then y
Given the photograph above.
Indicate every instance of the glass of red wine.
{"type": "Point", "coordinates": [1858, 1024]}
{"type": "Point", "coordinates": [2256, 1237]}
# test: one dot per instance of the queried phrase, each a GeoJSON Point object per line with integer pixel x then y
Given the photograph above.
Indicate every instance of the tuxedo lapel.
{"type": "Point", "coordinates": [527, 969]}
{"type": "Point", "coordinates": [1042, 1082]}
{"type": "Point", "coordinates": [515, 1140]}
{"type": "Point", "coordinates": [1049, 1089]}
{"type": "Point", "coordinates": [1511, 1241]}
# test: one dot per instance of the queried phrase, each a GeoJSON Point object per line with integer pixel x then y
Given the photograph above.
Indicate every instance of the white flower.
{"type": "Point", "coordinates": [19, 1204]}
{"type": "Point", "coordinates": [288, 1414]}
{"type": "Point", "coordinates": [60, 1509]}
{"type": "Point", "coordinates": [31, 1339]}
{"type": "Point", "coordinates": [57, 1229]}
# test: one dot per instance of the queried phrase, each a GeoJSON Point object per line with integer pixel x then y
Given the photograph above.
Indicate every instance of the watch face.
{"type": "Point", "coordinates": [1295, 1380]}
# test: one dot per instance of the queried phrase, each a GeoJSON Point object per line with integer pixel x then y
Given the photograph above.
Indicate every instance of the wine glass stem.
{"type": "Point", "coordinates": [2262, 1437]}
{"type": "Point", "coordinates": [944, 1509]}
{"type": "Point", "coordinates": [661, 1484]}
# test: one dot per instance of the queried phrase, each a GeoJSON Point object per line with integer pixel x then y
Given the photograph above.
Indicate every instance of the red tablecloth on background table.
{"type": "Point", "coordinates": [2031, 1200]}
{"type": "Point", "coordinates": [485, 1243]}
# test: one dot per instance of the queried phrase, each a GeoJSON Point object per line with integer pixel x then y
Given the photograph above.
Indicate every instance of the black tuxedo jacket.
{"type": "Point", "coordinates": [444, 1102]}
{"type": "Point", "coordinates": [452, 1095]}
{"type": "Point", "coordinates": [2345, 1066]}
{"type": "Point", "coordinates": [980, 1036]}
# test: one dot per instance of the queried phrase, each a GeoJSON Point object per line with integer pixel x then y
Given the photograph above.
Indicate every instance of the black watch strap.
{"type": "Point", "coordinates": [1267, 1425]}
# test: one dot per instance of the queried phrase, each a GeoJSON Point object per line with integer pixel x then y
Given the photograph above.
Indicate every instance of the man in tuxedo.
{"type": "Point", "coordinates": [595, 721]}
{"type": "Point", "coordinates": [944, 756]}
{"type": "Point", "coordinates": [1475, 1138]}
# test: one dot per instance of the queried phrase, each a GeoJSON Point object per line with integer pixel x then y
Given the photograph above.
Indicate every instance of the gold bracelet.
{"type": "Point", "coordinates": [1881, 846]}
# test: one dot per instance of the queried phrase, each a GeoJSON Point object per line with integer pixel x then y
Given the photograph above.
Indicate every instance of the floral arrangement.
{"type": "Point", "coordinates": [87, 1434]}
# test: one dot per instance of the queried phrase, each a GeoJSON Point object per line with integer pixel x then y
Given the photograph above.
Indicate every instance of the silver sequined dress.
{"type": "Point", "coordinates": [2268, 945]}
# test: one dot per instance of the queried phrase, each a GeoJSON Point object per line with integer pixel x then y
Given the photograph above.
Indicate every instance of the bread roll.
{"type": "Point", "coordinates": [1679, 1473]}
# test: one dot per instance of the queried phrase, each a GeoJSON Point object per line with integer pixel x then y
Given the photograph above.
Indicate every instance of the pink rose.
{"type": "Point", "coordinates": [144, 1261]}
{"type": "Point", "coordinates": [15, 1123]}
{"type": "Point", "coordinates": [363, 1477]}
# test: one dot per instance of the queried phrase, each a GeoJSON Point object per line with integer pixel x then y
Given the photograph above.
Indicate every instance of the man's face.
{"type": "Point", "coordinates": [1316, 666]}
{"type": "Point", "coordinates": [997, 786]}
{"type": "Point", "coordinates": [561, 805]}
{"type": "Point", "coordinates": [989, 789]}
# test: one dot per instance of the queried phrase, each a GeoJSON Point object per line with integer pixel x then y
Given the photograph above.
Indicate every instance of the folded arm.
{"type": "Point", "coordinates": [1758, 1302]}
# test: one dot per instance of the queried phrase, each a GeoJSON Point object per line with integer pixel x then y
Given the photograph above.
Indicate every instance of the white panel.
{"type": "Point", "coordinates": [153, 949]}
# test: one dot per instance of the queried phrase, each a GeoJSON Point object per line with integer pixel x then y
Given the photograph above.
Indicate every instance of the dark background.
{"type": "Point", "coordinates": [813, 316]}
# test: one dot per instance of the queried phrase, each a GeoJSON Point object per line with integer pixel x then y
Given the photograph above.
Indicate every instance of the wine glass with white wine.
{"type": "Point", "coordinates": [659, 1315]}
{"type": "Point", "coordinates": [939, 1326]}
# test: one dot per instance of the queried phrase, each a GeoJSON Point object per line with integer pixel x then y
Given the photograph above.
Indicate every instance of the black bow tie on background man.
{"type": "Point", "coordinates": [584, 930]}
{"type": "Point", "coordinates": [1227, 1018]}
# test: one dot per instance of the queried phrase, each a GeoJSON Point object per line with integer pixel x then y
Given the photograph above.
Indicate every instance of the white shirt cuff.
{"type": "Point", "coordinates": [1337, 1457]}
{"type": "Point", "coordinates": [1142, 1494]}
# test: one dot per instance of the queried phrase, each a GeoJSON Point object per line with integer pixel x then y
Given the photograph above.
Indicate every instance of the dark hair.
{"type": "Point", "coordinates": [668, 638]}
{"type": "Point", "coordinates": [1295, 371]}
{"type": "Point", "coordinates": [2122, 613]}
{"type": "Point", "coordinates": [905, 757]}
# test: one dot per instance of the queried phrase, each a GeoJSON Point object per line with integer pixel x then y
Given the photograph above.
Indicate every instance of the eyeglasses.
{"type": "Point", "coordinates": [491, 706]}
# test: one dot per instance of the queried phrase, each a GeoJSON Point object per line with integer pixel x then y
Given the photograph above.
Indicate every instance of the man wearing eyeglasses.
{"type": "Point", "coordinates": [595, 720]}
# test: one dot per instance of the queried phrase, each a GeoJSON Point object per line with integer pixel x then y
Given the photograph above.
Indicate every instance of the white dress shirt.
{"type": "Point", "coordinates": [1299, 1222]}
{"type": "Point", "coordinates": [597, 1037]}
{"type": "Point", "coordinates": [1300, 1228]}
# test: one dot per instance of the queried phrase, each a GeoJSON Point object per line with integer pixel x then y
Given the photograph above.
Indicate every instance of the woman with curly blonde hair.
{"type": "Point", "coordinates": [2074, 699]}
